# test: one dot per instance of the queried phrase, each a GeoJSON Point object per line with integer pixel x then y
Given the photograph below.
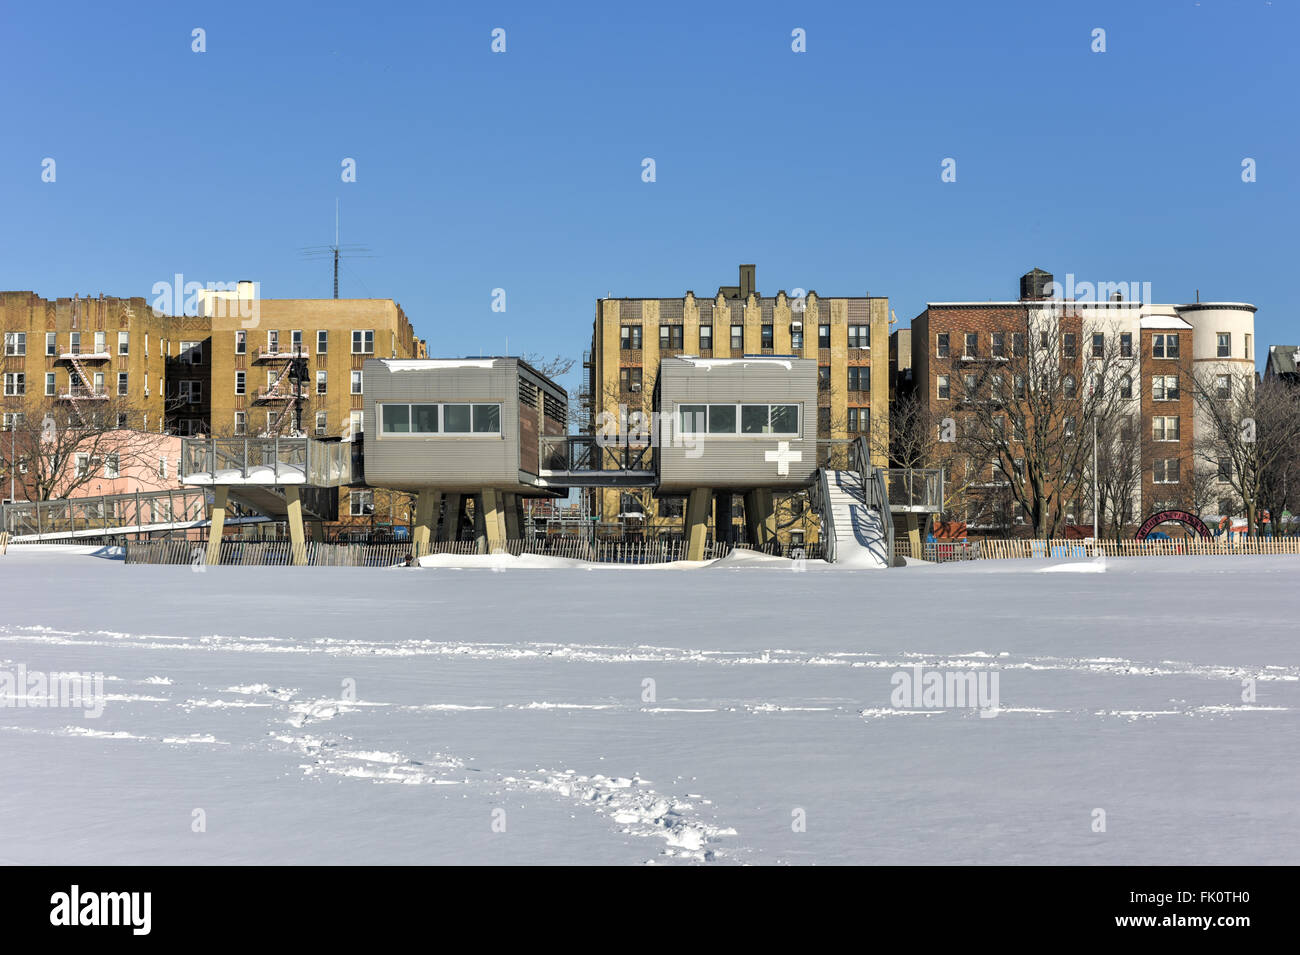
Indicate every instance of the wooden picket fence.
{"type": "Point", "coordinates": [260, 553]}
{"type": "Point", "coordinates": [1187, 547]}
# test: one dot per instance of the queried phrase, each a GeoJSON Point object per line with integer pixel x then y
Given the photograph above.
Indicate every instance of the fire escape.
{"type": "Point", "coordinates": [81, 391]}
{"type": "Point", "coordinates": [283, 395]}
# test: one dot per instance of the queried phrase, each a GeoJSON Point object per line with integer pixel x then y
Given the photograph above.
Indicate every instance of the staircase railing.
{"type": "Point", "coordinates": [874, 489]}
{"type": "Point", "coordinates": [820, 500]}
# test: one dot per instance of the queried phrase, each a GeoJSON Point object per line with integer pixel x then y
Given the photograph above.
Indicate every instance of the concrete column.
{"type": "Point", "coordinates": [220, 501]}
{"type": "Point", "coordinates": [913, 534]}
{"type": "Point", "coordinates": [760, 517]}
{"type": "Point", "coordinates": [316, 531]}
{"type": "Point", "coordinates": [454, 505]}
{"type": "Point", "coordinates": [494, 518]}
{"type": "Point", "coordinates": [297, 539]}
{"type": "Point", "coordinates": [767, 509]}
{"type": "Point", "coordinates": [426, 521]}
{"type": "Point", "coordinates": [697, 521]}
{"type": "Point", "coordinates": [510, 503]}
{"type": "Point", "coordinates": [722, 526]}
{"type": "Point", "coordinates": [480, 525]}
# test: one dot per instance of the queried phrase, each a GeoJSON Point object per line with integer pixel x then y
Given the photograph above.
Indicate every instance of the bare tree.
{"type": "Point", "coordinates": [1023, 418]}
{"type": "Point", "coordinates": [54, 450]}
{"type": "Point", "coordinates": [1252, 439]}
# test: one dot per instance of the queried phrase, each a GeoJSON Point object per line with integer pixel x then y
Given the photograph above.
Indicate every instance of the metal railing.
{"type": "Point", "coordinates": [87, 516]}
{"type": "Point", "coordinates": [819, 498]}
{"type": "Point", "coordinates": [915, 489]}
{"type": "Point", "coordinates": [270, 461]}
{"type": "Point", "coordinates": [581, 452]}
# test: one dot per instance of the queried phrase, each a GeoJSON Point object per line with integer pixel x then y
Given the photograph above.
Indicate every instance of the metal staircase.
{"type": "Point", "coordinates": [853, 503]}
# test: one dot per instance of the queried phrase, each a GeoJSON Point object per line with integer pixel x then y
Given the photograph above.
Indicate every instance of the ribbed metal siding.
{"type": "Point", "coordinates": [438, 460]}
{"type": "Point", "coordinates": [739, 462]}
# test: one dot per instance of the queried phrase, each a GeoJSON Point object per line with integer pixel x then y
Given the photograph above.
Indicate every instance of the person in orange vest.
{"type": "Point", "coordinates": [1266, 521]}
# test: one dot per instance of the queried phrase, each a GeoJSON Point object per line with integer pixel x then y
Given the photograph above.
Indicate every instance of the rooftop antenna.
{"type": "Point", "coordinates": [335, 251]}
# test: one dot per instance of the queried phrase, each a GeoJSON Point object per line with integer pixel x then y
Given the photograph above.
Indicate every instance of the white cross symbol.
{"type": "Point", "coordinates": [783, 456]}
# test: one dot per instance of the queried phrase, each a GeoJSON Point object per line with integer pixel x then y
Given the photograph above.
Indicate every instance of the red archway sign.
{"type": "Point", "coordinates": [1182, 517]}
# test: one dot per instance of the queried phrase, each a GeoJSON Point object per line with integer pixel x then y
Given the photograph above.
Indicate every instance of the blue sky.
{"type": "Point", "coordinates": [522, 170]}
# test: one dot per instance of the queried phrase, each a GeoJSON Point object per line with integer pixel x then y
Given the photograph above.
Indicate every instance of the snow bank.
{"type": "Point", "coordinates": [1097, 566]}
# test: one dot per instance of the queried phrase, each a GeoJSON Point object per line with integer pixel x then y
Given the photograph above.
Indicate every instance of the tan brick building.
{"type": "Point", "coordinates": [631, 335]}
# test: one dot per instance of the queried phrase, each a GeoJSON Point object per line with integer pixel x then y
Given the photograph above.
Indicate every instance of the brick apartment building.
{"type": "Point", "coordinates": [223, 372]}
{"type": "Point", "coordinates": [631, 335]}
{"type": "Point", "coordinates": [1155, 349]}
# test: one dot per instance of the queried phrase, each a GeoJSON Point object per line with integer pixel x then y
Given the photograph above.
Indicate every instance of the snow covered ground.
{"type": "Point", "coordinates": [735, 713]}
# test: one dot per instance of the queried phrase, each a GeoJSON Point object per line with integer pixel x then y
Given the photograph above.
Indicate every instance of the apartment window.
{"type": "Point", "coordinates": [1043, 342]}
{"type": "Point", "coordinates": [1165, 471]}
{"type": "Point", "coordinates": [972, 345]}
{"type": "Point", "coordinates": [765, 336]}
{"type": "Point", "coordinates": [737, 338]}
{"type": "Point", "coordinates": [674, 506]}
{"type": "Point", "coordinates": [1164, 428]}
{"type": "Point", "coordinates": [1098, 345]}
{"type": "Point", "coordinates": [1164, 387]}
{"type": "Point", "coordinates": [241, 343]}
{"type": "Point", "coordinates": [1164, 346]}
{"type": "Point", "coordinates": [74, 343]}
{"type": "Point", "coordinates": [995, 387]}
{"type": "Point", "coordinates": [823, 377]}
{"type": "Point", "coordinates": [273, 341]}
{"type": "Point", "coordinates": [240, 382]}
{"type": "Point", "coordinates": [998, 344]}
{"type": "Point", "coordinates": [796, 340]}
{"type": "Point", "coordinates": [1126, 428]}
{"type": "Point", "coordinates": [121, 384]}
{"type": "Point", "coordinates": [943, 389]}
{"type": "Point", "coordinates": [363, 342]}
{"type": "Point", "coordinates": [101, 345]}
{"type": "Point", "coordinates": [1247, 353]}
{"type": "Point", "coordinates": [1225, 469]}
{"type": "Point", "coordinates": [82, 465]}
{"type": "Point", "coordinates": [859, 336]}
{"type": "Point", "coordinates": [322, 381]}
{"type": "Point", "coordinates": [824, 422]}
{"type": "Point", "coordinates": [51, 344]}
{"type": "Point", "coordinates": [1070, 344]}
{"type": "Point", "coordinates": [941, 345]}
{"type": "Point", "coordinates": [295, 341]}
{"type": "Point", "coordinates": [1099, 385]}
{"type": "Point", "coordinates": [111, 464]}
{"type": "Point", "coordinates": [241, 422]}
{"type": "Point", "coordinates": [162, 467]}
{"type": "Point", "coordinates": [49, 382]}
{"type": "Point", "coordinates": [629, 378]}
{"type": "Point", "coordinates": [859, 420]}
{"type": "Point", "coordinates": [1069, 386]}
{"type": "Point", "coordinates": [192, 352]}
{"type": "Point", "coordinates": [356, 422]}
{"type": "Point", "coordinates": [1018, 385]}
{"type": "Point", "coordinates": [1069, 426]}
{"type": "Point", "coordinates": [322, 342]}
{"type": "Point", "coordinates": [361, 503]}
{"type": "Point", "coordinates": [859, 378]}
{"type": "Point", "coordinates": [1126, 345]}
{"type": "Point", "coordinates": [121, 420]}
{"type": "Point", "coordinates": [1222, 387]}
{"type": "Point", "coordinates": [706, 338]}
{"type": "Point", "coordinates": [190, 391]}
{"type": "Point", "coordinates": [124, 343]}
{"type": "Point", "coordinates": [356, 383]}
{"type": "Point", "coordinates": [11, 422]}
{"type": "Point", "coordinates": [1018, 344]}
{"type": "Point", "coordinates": [99, 382]}
{"type": "Point", "coordinates": [823, 336]}
{"type": "Point", "coordinates": [1223, 343]}
{"type": "Point", "coordinates": [321, 423]}
{"type": "Point", "coordinates": [670, 336]}
{"type": "Point", "coordinates": [15, 384]}
{"type": "Point", "coordinates": [630, 337]}
{"type": "Point", "coordinates": [1018, 430]}
{"type": "Point", "coordinates": [738, 419]}
{"type": "Point", "coordinates": [968, 383]}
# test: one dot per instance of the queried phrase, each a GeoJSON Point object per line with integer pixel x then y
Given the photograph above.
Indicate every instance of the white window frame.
{"type": "Point", "coordinates": [322, 341]}
{"type": "Point", "coordinates": [241, 382]}
{"type": "Point", "coordinates": [15, 384]}
{"type": "Point", "coordinates": [15, 344]}
{"type": "Point", "coordinates": [124, 343]}
{"type": "Point", "coordinates": [442, 431]}
{"type": "Point", "coordinates": [738, 407]}
{"type": "Point", "coordinates": [322, 423]}
{"type": "Point", "coordinates": [357, 382]}
{"type": "Point", "coordinates": [363, 341]}
{"type": "Point", "coordinates": [322, 381]}
{"type": "Point", "coordinates": [123, 384]}
{"type": "Point", "coordinates": [50, 384]}
{"type": "Point", "coordinates": [241, 422]}
{"type": "Point", "coordinates": [112, 465]}
{"type": "Point", "coordinates": [241, 343]}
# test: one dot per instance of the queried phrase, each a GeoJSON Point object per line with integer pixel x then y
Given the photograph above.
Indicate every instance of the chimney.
{"type": "Point", "coordinates": [245, 290]}
{"type": "Point", "coordinates": [746, 281]}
